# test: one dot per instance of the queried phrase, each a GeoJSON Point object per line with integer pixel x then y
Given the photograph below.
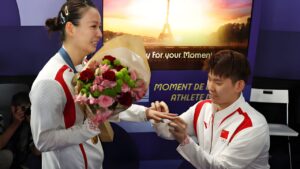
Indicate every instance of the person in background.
{"type": "Point", "coordinates": [6, 155]}
{"type": "Point", "coordinates": [229, 132]}
{"type": "Point", "coordinates": [60, 130]}
{"type": "Point", "coordinates": [17, 138]}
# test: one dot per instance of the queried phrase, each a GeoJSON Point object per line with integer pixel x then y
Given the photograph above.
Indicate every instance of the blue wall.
{"type": "Point", "coordinates": [25, 45]}
{"type": "Point", "coordinates": [278, 50]}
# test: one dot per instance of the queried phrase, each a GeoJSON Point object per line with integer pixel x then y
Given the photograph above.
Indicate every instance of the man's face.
{"type": "Point", "coordinates": [223, 91]}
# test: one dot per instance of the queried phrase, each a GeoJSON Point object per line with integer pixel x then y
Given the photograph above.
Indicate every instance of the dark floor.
{"type": "Point", "coordinates": [279, 154]}
{"type": "Point", "coordinates": [295, 148]}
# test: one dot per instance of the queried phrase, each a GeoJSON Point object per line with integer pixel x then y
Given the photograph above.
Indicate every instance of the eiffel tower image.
{"type": "Point", "coordinates": [166, 34]}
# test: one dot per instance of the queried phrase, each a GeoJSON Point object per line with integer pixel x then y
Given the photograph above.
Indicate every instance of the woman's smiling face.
{"type": "Point", "coordinates": [87, 34]}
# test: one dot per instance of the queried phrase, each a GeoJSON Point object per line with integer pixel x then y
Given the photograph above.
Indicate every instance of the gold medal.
{"type": "Point", "coordinates": [95, 139]}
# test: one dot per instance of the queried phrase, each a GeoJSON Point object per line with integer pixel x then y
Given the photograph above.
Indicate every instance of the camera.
{"type": "Point", "coordinates": [26, 110]}
{"type": "Point", "coordinates": [1, 123]}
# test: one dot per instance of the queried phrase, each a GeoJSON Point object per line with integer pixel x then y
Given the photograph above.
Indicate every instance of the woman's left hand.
{"type": "Point", "coordinates": [160, 106]}
{"type": "Point", "coordinates": [158, 116]}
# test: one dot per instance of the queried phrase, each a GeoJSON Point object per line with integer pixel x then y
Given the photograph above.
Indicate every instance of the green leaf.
{"type": "Point", "coordinates": [131, 83]}
{"type": "Point", "coordinates": [119, 75]}
{"type": "Point", "coordinates": [124, 70]}
{"type": "Point", "coordinates": [117, 62]}
{"type": "Point", "coordinates": [83, 91]}
{"type": "Point", "coordinates": [118, 88]}
{"type": "Point", "coordinates": [96, 94]}
{"type": "Point", "coordinates": [87, 86]}
{"type": "Point", "coordinates": [127, 78]}
{"type": "Point", "coordinates": [120, 82]}
{"type": "Point", "coordinates": [105, 62]}
{"type": "Point", "coordinates": [109, 92]}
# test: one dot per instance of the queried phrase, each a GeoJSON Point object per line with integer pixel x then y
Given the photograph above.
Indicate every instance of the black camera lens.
{"type": "Point", "coordinates": [26, 110]}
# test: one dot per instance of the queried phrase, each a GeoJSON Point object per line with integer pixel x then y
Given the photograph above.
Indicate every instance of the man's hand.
{"type": "Point", "coordinates": [178, 128]}
{"type": "Point", "coordinates": [160, 106]}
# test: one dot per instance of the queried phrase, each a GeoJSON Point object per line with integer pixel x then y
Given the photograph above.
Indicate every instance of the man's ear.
{"type": "Point", "coordinates": [69, 28]}
{"type": "Point", "coordinates": [240, 85]}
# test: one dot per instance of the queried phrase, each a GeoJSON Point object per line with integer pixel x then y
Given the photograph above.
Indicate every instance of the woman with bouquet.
{"type": "Point", "coordinates": [60, 130]}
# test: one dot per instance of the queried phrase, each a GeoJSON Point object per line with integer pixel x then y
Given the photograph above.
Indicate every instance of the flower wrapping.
{"type": "Point", "coordinates": [114, 78]}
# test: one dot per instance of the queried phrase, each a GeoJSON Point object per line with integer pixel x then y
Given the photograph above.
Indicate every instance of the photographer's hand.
{"type": "Point", "coordinates": [18, 115]}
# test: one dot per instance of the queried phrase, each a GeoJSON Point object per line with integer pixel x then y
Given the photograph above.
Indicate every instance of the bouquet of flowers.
{"type": "Point", "coordinates": [116, 76]}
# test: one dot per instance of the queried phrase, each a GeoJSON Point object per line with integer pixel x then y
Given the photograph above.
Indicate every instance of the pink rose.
{"type": "Point", "coordinates": [108, 84]}
{"type": "Point", "coordinates": [80, 98]}
{"type": "Point", "coordinates": [93, 100]}
{"type": "Point", "coordinates": [104, 68]}
{"type": "Point", "coordinates": [133, 75]}
{"type": "Point", "coordinates": [105, 101]}
{"type": "Point", "coordinates": [125, 88]}
{"type": "Point", "coordinates": [100, 117]}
